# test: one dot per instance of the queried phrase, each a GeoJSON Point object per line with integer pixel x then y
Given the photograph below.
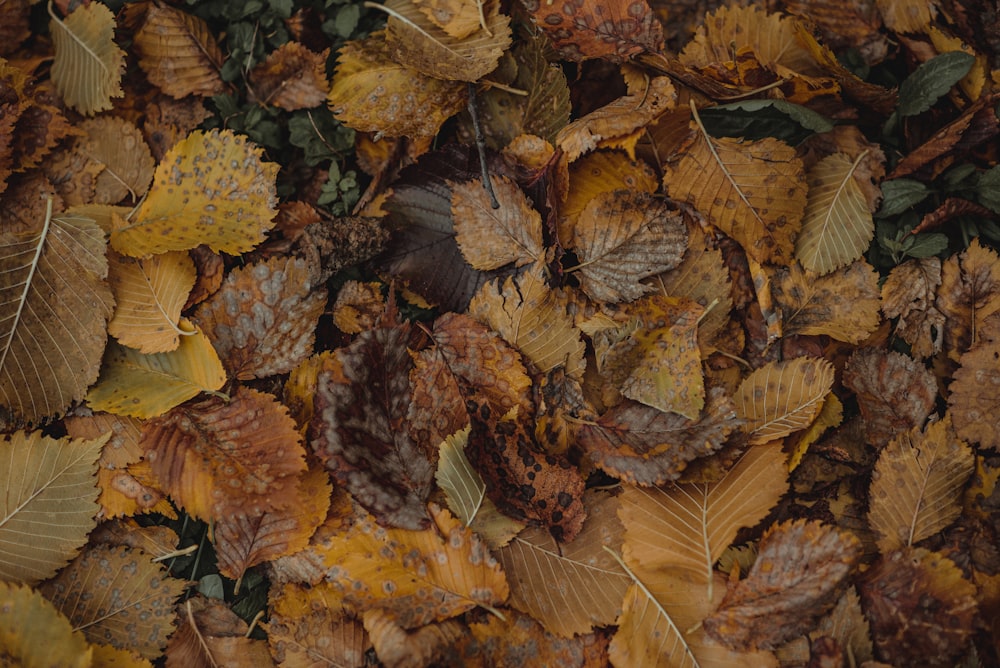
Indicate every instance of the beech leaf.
{"type": "Point", "coordinates": [306, 626]}
{"type": "Point", "coordinates": [917, 484]}
{"type": "Point", "coordinates": [614, 30]}
{"type": "Point", "coordinates": [88, 65]}
{"type": "Point", "coordinates": [50, 504]}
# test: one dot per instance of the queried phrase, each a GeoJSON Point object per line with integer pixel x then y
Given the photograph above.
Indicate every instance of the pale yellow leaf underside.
{"type": "Point", "coordinates": [837, 226]}
{"type": "Point", "coordinates": [149, 296]}
{"type": "Point", "coordinates": [49, 504]}
{"type": "Point", "coordinates": [783, 397]}
{"type": "Point", "coordinates": [917, 483]}
{"type": "Point", "coordinates": [88, 65]}
{"type": "Point", "coordinates": [145, 386]}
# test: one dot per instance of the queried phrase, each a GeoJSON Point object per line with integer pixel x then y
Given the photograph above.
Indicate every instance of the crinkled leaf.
{"type": "Point", "coordinates": [490, 238]}
{"type": "Point", "coordinates": [843, 304]}
{"type": "Point", "coordinates": [179, 53]}
{"type": "Point", "coordinates": [594, 29]}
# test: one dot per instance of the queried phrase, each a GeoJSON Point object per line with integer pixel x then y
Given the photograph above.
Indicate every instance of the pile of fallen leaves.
{"type": "Point", "coordinates": [693, 361]}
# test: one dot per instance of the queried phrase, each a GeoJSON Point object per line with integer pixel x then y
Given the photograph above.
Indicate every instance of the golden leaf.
{"type": "Point", "coordinates": [50, 503]}
{"type": "Point", "coordinates": [458, 18]}
{"type": "Point", "coordinates": [830, 415]}
{"type": "Point", "coordinates": [415, 576]}
{"type": "Point", "coordinates": [263, 320]}
{"type": "Point", "coordinates": [306, 625]}
{"type": "Point", "coordinates": [654, 357]}
{"type": "Point", "coordinates": [843, 304]}
{"type": "Point", "coordinates": [145, 386]}
{"type": "Point", "coordinates": [54, 305]}
{"type": "Point", "coordinates": [685, 528]}
{"type": "Point", "coordinates": [466, 493]}
{"type": "Point", "coordinates": [118, 595]}
{"type": "Point", "coordinates": [178, 52]}
{"type": "Point", "coordinates": [783, 397]}
{"type": "Point", "coordinates": [149, 296]}
{"type": "Point", "coordinates": [533, 318]}
{"type": "Point", "coordinates": [572, 587]}
{"type": "Point", "coordinates": [518, 640]}
{"type": "Point", "coordinates": [217, 458]}
{"type": "Point", "coordinates": [88, 65]}
{"type": "Point", "coordinates": [974, 401]}
{"type": "Point", "coordinates": [622, 237]}
{"type": "Point", "coordinates": [291, 77]}
{"type": "Point", "coordinates": [837, 225]}
{"type": "Point", "coordinates": [358, 306]}
{"type": "Point", "coordinates": [414, 39]}
{"type": "Point", "coordinates": [753, 191]}
{"type": "Point", "coordinates": [34, 633]}
{"type": "Point", "coordinates": [490, 238]}
{"type": "Point", "coordinates": [244, 539]}
{"type": "Point", "coordinates": [395, 646]}
{"type": "Point", "coordinates": [968, 296]}
{"type": "Point", "coordinates": [212, 189]}
{"type": "Point", "coordinates": [409, 104]}
{"type": "Point", "coordinates": [300, 388]}
{"type": "Point", "coordinates": [108, 656]}
{"type": "Point", "coordinates": [916, 486]}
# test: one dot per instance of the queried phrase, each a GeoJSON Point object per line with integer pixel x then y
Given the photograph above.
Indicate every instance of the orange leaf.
{"type": "Point", "coordinates": [216, 458]}
{"type": "Point", "coordinates": [599, 29]}
{"type": "Point", "coordinates": [490, 238]}
{"type": "Point", "coordinates": [178, 52]}
{"type": "Point", "coordinates": [209, 634]}
{"type": "Point", "coordinates": [306, 624]}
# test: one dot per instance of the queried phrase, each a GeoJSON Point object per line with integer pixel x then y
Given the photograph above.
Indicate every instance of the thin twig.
{"type": "Point", "coordinates": [481, 147]}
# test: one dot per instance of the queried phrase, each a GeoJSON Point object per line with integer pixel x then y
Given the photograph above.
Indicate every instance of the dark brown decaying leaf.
{"type": "Point", "coordinates": [894, 392]}
{"type": "Point", "coordinates": [358, 429]}
{"type": "Point", "coordinates": [801, 570]}
{"type": "Point", "coordinates": [594, 29]}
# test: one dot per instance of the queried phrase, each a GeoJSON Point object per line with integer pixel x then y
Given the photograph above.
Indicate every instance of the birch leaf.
{"type": "Point", "coordinates": [783, 397]}
{"type": "Point", "coordinates": [88, 66]}
{"type": "Point", "coordinates": [837, 226]}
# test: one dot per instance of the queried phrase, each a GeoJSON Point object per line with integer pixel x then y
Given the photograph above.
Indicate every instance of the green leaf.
{"type": "Point", "coordinates": [988, 189]}
{"type": "Point", "coordinates": [924, 245]}
{"type": "Point", "coordinates": [756, 119]}
{"type": "Point", "coordinates": [930, 81]}
{"type": "Point", "coordinates": [899, 195]}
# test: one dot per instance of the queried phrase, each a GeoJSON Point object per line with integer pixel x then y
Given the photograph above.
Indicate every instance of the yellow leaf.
{"type": "Point", "coordinates": [34, 633]}
{"type": "Point", "coordinates": [654, 357]}
{"type": "Point", "coordinates": [622, 237]}
{"type": "Point", "coordinates": [49, 505]}
{"type": "Point", "coordinates": [466, 493]}
{"type": "Point", "coordinates": [754, 191]}
{"type": "Point", "coordinates": [458, 18]}
{"type": "Point", "coordinates": [490, 238]}
{"type": "Point", "coordinates": [572, 587]}
{"type": "Point", "coordinates": [414, 39]}
{"type": "Point", "coordinates": [118, 595]}
{"type": "Point", "coordinates": [371, 92]}
{"type": "Point", "coordinates": [210, 188]}
{"type": "Point", "coordinates": [843, 304]}
{"type": "Point", "coordinates": [830, 415]}
{"type": "Point", "coordinates": [145, 386]}
{"type": "Point", "coordinates": [837, 226]}
{"type": "Point", "coordinates": [783, 397]}
{"type": "Point", "coordinates": [106, 656]}
{"type": "Point", "coordinates": [685, 528]}
{"type": "Point", "coordinates": [416, 576]}
{"type": "Point", "coordinates": [149, 296]}
{"type": "Point", "coordinates": [533, 318]}
{"type": "Point", "coordinates": [88, 66]}
{"type": "Point", "coordinates": [306, 626]}
{"type": "Point", "coordinates": [916, 485]}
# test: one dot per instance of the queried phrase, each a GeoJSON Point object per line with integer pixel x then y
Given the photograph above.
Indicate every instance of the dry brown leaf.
{"type": "Point", "coordinates": [895, 393]}
{"type": "Point", "coordinates": [117, 595]}
{"type": "Point", "coordinates": [968, 296]}
{"type": "Point", "coordinates": [263, 320]}
{"type": "Point", "coordinates": [520, 640]}
{"type": "Point", "coordinates": [217, 457]}
{"type": "Point", "coordinates": [410, 104]}
{"type": "Point", "coordinates": [617, 119]}
{"type": "Point", "coordinates": [685, 528]}
{"type": "Point", "coordinates": [645, 446]}
{"type": "Point", "coordinates": [119, 147]}
{"type": "Point", "coordinates": [598, 29]}
{"type": "Point", "coordinates": [458, 18]}
{"type": "Point", "coordinates": [783, 397]}
{"type": "Point", "coordinates": [920, 607]}
{"type": "Point", "coordinates": [847, 624]}
{"type": "Point", "coordinates": [291, 77]}
{"type": "Point", "coordinates": [398, 648]}
{"type": "Point", "coordinates": [800, 571]}
{"type": "Point", "coordinates": [533, 318]}
{"type": "Point", "coordinates": [149, 295]}
{"type": "Point", "coordinates": [622, 237]}
{"type": "Point", "coordinates": [571, 587]}
{"type": "Point", "coordinates": [753, 191]}
{"type": "Point", "coordinates": [843, 304]}
{"type": "Point", "coordinates": [307, 628]}
{"type": "Point", "coordinates": [916, 485]}
{"type": "Point", "coordinates": [178, 52]}
{"type": "Point", "coordinates": [209, 634]}
{"type": "Point", "coordinates": [906, 16]}
{"type": "Point", "coordinates": [974, 398]}
{"type": "Point", "coordinates": [908, 294]}
{"type": "Point", "coordinates": [437, 407]}
{"type": "Point", "coordinates": [491, 238]}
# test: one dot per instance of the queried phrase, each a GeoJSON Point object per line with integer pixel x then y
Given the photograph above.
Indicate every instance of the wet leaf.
{"type": "Point", "coordinates": [614, 30]}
